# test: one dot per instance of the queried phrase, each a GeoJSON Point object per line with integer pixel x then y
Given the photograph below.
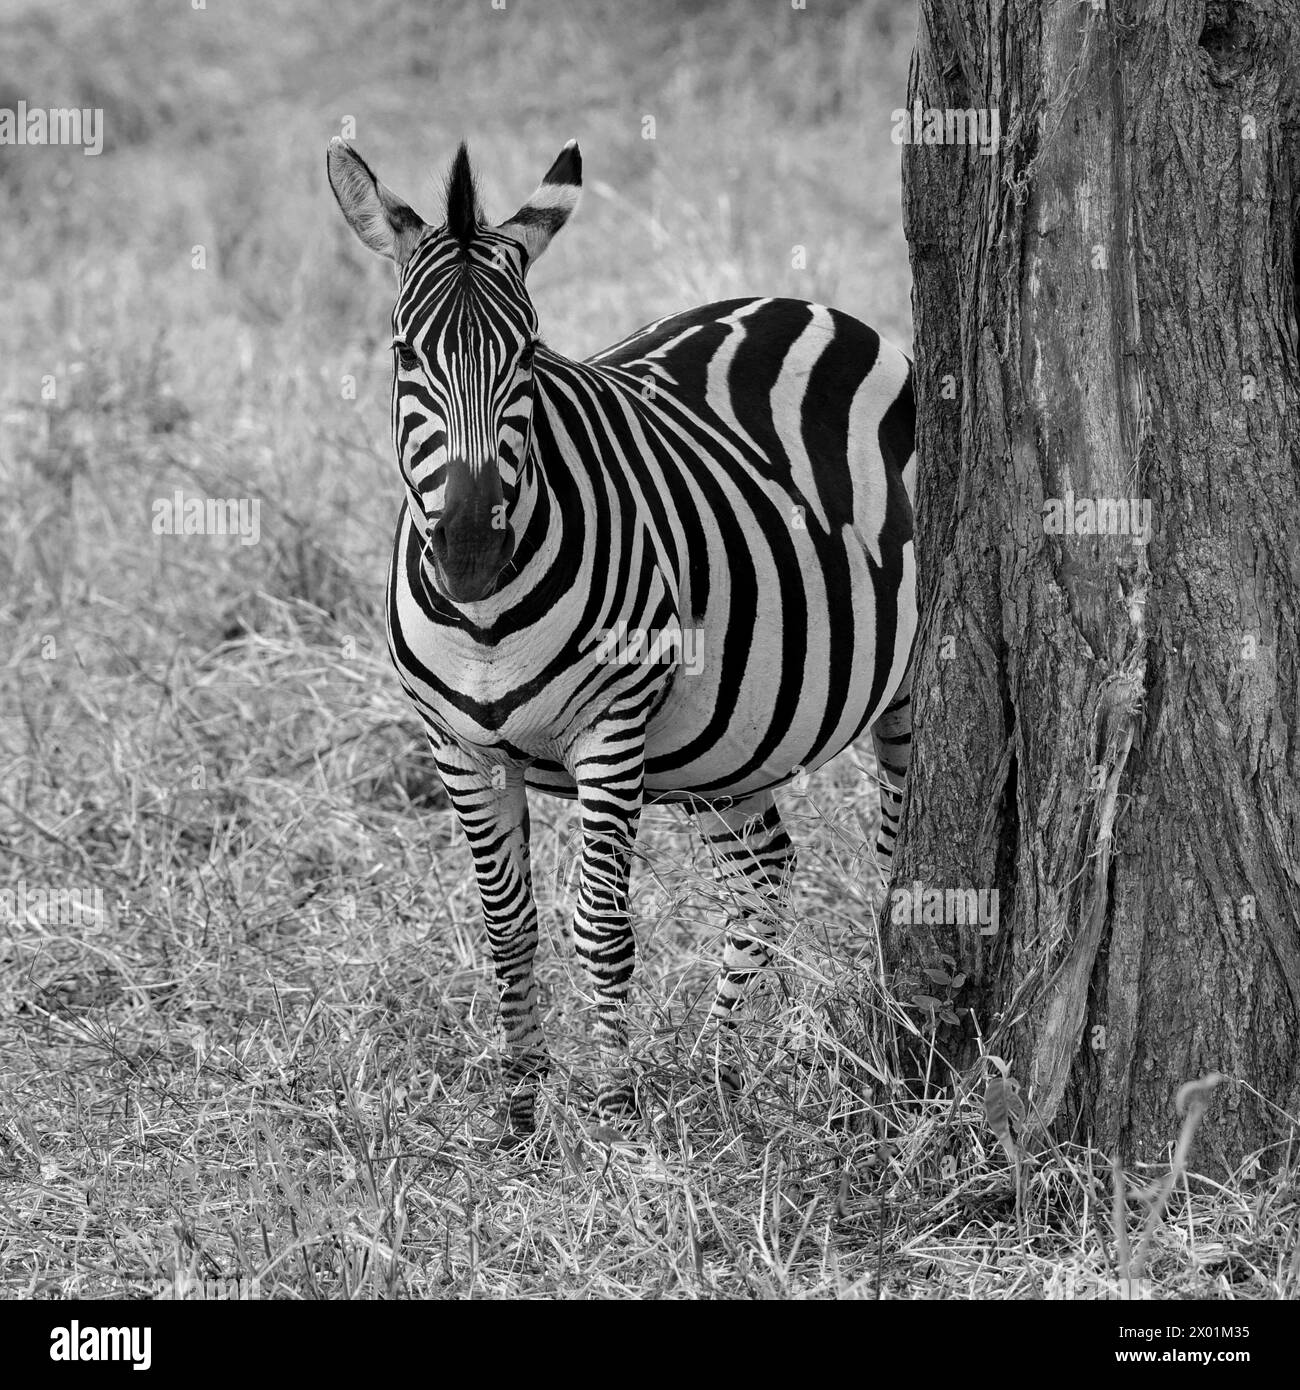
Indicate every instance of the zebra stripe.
{"type": "Point", "coordinates": [681, 570]}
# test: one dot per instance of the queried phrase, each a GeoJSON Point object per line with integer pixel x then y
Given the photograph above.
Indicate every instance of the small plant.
{"type": "Point", "coordinates": [949, 980]}
{"type": "Point", "coordinates": [1192, 1101]}
{"type": "Point", "coordinates": [1004, 1107]}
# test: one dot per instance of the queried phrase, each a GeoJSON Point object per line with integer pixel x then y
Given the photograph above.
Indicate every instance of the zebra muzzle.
{"type": "Point", "coordinates": [472, 542]}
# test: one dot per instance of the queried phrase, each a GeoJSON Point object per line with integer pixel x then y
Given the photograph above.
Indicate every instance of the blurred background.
{"type": "Point", "coordinates": [208, 734]}
{"type": "Point", "coordinates": [206, 319]}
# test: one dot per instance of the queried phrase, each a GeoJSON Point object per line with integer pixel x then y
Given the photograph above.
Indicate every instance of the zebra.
{"type": "Point", "coordinates": [742, 472]}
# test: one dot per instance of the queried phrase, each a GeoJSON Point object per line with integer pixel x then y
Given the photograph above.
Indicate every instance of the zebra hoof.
{"type": "Point", "coordinates": [521, 1116]}
{"type": "Point", "coordinates": [507, 1139]}
{"type": "Point", "coordinates": [616, 1107]}
{"type": "Point", "coordinates": [730, 1082]}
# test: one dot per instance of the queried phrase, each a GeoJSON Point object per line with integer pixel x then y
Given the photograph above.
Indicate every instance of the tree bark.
{"type": "Point", "coordinates": [1108, 732]}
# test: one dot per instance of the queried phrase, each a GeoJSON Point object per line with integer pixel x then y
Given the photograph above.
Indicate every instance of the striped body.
{"type": "Point", "coordinates": [681, 570]}
{"type": "Point", "coordinates": [760, 509]}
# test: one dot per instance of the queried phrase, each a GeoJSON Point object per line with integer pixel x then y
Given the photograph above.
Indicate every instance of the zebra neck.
{"type": "Point", "coordinates": [548, 522]}
{"type": "Point", "coordinates": [579, 517]}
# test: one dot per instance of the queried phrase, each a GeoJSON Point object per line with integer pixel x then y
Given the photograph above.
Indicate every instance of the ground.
{"type": "Point", "coordinates": [258, 1055]}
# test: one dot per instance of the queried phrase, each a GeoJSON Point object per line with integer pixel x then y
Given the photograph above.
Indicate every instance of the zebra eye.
{"type": "Point", "coordinates": [529, 352]}
{"type": "Point", "coordinates": [407, 360]}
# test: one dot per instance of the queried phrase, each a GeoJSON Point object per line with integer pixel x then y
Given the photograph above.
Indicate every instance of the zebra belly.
{"type": "Point", "coordinates": [804, 673]}
{"type": "Point", "coordinates": [805, 678]}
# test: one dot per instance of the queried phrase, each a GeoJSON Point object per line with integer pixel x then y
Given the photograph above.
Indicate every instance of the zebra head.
{"type": "Point", "coordinates": [464, 336]}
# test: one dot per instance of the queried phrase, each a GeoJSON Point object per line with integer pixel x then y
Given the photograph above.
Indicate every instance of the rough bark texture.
{"type": "Point", "coordinates": [1108, 733]}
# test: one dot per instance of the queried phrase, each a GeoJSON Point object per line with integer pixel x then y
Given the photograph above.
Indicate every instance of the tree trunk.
{"type": "Point", "coordinates": [1108, 732]}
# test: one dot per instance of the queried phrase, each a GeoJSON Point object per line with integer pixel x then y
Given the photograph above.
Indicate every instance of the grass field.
{"type": "Point", "coordinates": [268, 1055]}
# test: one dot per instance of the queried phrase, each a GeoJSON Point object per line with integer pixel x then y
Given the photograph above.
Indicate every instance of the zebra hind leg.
{"type": "Point", "coordinates": [891, 735]}
{"type": "Point", "coordinates": [753, 855]}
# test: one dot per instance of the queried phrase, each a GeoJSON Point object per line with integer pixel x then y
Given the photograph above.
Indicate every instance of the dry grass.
{"type": "Point", "coordinates": [271, 1058]}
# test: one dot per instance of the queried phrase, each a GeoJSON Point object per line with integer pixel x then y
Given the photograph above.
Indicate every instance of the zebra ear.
{"type": "Point", "coordinates": [550, 207]}
{"type": "Point", "coordinates": [375, 213]}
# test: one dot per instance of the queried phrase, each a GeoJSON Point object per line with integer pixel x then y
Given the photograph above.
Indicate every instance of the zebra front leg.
{"type": "Point", "coordinates": [752, 853]}
{"type": "Point", "coordinates": [492, 807]}
{"type": "Point", "coordinates": [610, 772]}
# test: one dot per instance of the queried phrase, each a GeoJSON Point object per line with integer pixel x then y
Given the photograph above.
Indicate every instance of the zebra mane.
{"type": "Point", "coordinates": [463, 211]}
